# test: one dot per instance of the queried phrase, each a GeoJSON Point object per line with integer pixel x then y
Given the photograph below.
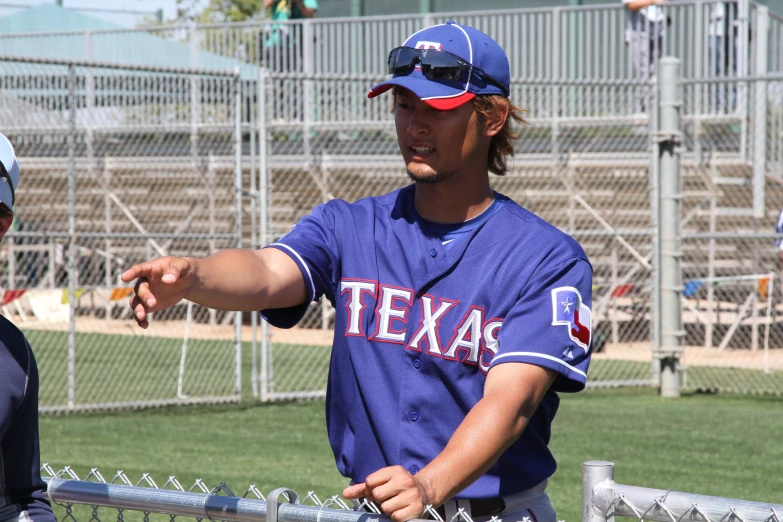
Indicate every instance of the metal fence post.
{"type": "Point", "coordinates": [742, 72]}
{"type": "Point", "coordinates": [669, 138]}
{"type": "Point", "coordinates": [263, 226]}
{"type": "Point", "coordinates": [594, 472]}
{"type": "Point", "coordinates": [238, 219]}
{"type": "Point", "coordinates": [72, 268]}
{"type": "Point", "coordinates": [253, 226]}
{"type": "Point", "coordinates": [760, 111]}
{"type": "Point", "coordinates": [655, 220]}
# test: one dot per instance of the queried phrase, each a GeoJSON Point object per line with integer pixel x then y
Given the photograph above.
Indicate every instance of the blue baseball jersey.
{"type": "Point", "coordinates": [419, 324]}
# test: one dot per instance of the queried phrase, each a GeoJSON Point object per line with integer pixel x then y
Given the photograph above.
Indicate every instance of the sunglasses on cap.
{"type": "Point", "coordinates": [436, 65]}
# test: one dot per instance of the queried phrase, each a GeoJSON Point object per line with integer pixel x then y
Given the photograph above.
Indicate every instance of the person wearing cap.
{"type": "Point", "coordinates": [22, 492]}
{"type": "Point", "coordinates": [459, 315]}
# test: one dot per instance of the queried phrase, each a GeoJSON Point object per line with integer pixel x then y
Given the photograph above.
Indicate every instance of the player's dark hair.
{"type": "Point", "coordinates": [502, 144]}
{"type": "Point", "coordinates": [5, 211]}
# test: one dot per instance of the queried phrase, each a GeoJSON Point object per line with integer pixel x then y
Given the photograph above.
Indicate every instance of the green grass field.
{"type": "Point", "coordinates": [722, 445]}
{"type": "Point", "coordinates": [112, 368]}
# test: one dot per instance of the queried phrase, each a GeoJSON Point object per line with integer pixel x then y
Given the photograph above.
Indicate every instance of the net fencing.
{"type": "Point", "coordinates": [120, 164]}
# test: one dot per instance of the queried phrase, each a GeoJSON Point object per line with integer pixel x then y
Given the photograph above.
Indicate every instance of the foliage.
{"type": "Point", "coordinates": [220, 10]}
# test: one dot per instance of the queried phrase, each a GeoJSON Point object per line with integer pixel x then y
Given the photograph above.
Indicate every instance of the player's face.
{"type": "Point", "coordinates": [6, 219]}
{"type": "Point", "coordinates": [436, 145]}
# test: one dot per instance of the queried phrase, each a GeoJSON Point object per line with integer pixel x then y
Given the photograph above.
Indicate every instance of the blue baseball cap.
{"type": "Point", "coordinates": [473, 46]}
{"type": "Point", "coordinates": [9, 174]}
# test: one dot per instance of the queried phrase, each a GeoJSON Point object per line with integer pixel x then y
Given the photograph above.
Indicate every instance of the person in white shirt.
{"type": "Point", "coordinates": [723, 31]}
{"type": "Point", "coordinates": [645, 26]}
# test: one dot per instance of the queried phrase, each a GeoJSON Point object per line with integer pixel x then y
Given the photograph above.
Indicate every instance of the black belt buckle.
{"type": "Point", "coordinates": [480, 507]}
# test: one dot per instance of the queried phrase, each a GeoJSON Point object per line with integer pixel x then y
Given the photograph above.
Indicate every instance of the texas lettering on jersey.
{"type": "Point", "coordinates": [474, 340]}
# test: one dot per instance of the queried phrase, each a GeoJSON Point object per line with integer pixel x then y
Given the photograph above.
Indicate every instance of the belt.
{"type": "Point", "coordinates": [479, 507]}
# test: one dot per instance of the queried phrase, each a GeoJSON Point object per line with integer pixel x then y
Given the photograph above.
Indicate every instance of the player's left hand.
{"type": "Point", "coordinates": [398, 493]}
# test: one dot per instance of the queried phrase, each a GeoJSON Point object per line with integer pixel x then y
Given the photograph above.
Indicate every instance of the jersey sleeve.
{"type": "Point", "coordinates": [312, 4]}
{"type": "Point", "coordinates": [312, 245]}
{"type": "Point", "coordinates": [551, 323]}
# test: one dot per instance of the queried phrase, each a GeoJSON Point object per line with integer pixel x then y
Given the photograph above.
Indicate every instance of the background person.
{"type": "Point", "coordinates": [645, 26]}
{"type": "Point", "coordinates": [22, 492]}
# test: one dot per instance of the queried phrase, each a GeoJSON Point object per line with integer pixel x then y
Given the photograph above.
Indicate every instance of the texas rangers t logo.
{"type": "Point", "coordinates": [421, 44]}
{"type": "Point", "coordinates": [568, 310]}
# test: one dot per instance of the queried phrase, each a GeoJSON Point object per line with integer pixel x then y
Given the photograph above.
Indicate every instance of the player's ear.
{"type": "Point", "coordinates": [6, 220]}
{"type": "Point", "coordinates": [495, 118]}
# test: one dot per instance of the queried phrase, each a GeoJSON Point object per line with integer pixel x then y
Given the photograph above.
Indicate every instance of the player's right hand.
{"type": "Point", "coordinates": [160, 283]}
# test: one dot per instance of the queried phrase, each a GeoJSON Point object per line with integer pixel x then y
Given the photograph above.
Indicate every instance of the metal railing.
{"type": "Point", "coordinates": [543, 43]}
{"type": "Point", "coordinates": [67, 490]}
{"type": "Point", "coordinates": [603, 499]}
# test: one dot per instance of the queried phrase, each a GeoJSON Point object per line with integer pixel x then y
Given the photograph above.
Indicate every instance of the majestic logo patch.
{"type": "Point", "coordinates": [421, 44]}
{"type": "Point", "coordinates": [568, 310]}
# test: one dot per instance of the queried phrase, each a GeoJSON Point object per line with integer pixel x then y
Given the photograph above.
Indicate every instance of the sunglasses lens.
{"type": "Point", "coordinates": [442, 72]}
{"type": "Point", "coordinates": [401, 61]}
{"type": "Point", "coordinates": [435, 65]}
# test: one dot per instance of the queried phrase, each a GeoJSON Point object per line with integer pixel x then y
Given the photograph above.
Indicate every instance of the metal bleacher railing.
{"type": "Point", "coordinates": [252, 136]}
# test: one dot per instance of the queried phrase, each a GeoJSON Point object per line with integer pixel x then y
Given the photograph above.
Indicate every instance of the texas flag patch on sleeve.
{"type": "Point", "coordinates": [569, 311]}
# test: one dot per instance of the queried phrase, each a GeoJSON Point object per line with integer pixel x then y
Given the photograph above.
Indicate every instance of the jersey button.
{"type": "Point", "coordinates": [433, 252]}
{"type": "Point", "coordinates": [416, 363]}
{"type": "Point", "coordinates": [414, 469]}
{"type": "Point", "coordinates": [414, 416]}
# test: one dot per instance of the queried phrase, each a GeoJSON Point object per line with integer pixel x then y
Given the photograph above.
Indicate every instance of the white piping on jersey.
{"type": "Point", "coordinates": [307, 268]}
{"type": "Point", "coordinates": [470, 46]}
{"type": "Point", "coordinates": [541, 355]}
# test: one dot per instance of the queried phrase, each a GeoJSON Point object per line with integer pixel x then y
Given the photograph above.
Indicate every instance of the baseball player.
{"type": "Point", "coordinates": [22, 492]}
{"type": "Point", "coordinates": [459, 314]}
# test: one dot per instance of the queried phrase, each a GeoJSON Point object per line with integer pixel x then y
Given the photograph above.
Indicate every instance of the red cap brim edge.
{"type": "Point", "coordinates": [441, 104]}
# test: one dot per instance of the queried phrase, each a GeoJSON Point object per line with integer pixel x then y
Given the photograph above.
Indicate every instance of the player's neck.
{"type": "Point", "coordinates": [453, 201]}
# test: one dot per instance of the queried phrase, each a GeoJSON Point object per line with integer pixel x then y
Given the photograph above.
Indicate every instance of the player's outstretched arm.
{"type": "Point", "coordinates": [512, 393]}
{"type": "Point", "coordinates": [235, 279]}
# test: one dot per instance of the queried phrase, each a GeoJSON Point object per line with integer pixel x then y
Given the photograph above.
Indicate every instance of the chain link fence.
{"type": "Point", "coordinates": [120, 498]}
{"type": "Point", "coordinates": [119, 164]}
{"type": "Point", "coordinates": [732, 296]}
{"type": "Point", "coordinates": [603, 499]}
{"type": "Point", "coordinates": [93, 497]}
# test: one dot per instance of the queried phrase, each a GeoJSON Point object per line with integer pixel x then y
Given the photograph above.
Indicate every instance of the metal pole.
{"type": "Point", "coordinates": [742, 71]}
{"type": "Point", "coordinates": [238, 221]}
{"type": "Point", "coordinates": [263, 226]}
{"type": "Point", "coordinates": [594, 472]}
{"type": "Point", "coordinates": [760, 112]}
{"type": "Point", "coordinates": [72, 275]}
{"type": "Point", "coordinates": [555, 88]}
{"type": "Point", "coordinates": [253, 235]}
{"type": "Point", "coordinates": [669, 138]}
{"type": "Point", "coordinates": [709, 327]}
{"type": "Point", "coordinates": [195, 87]}
{"type": "Point", "coordinates": [660, 505]}
{"type": "Point", "coordinates": [107, 245]}
{"type": "Point", "coordinates": [198, 505]}
{"type": "Point", "coordinates": [655, 220]}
